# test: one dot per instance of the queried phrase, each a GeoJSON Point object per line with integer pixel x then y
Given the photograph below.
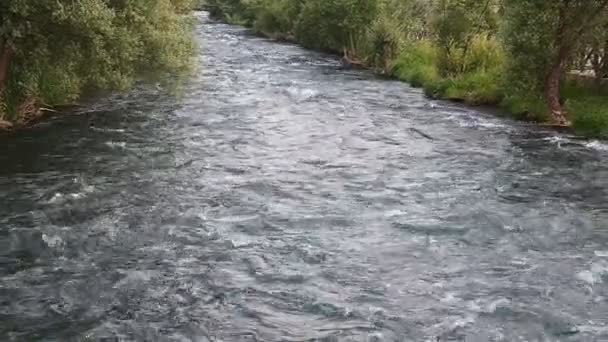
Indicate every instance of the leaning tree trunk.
{"type": "Point", "coordinates": [553, 80]}
{"type": "Point", "coordinates": [552, 95]}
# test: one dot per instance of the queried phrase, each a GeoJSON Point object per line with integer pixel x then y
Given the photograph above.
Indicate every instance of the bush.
{"type": "Point", "coordinates": [417, 64]}
{"type": "Point", "coordinates": [236, 12]}
{"type": "Point", "coordinates": [276, 16]}
{"type": "Point", "coordinates": [335, 25]}
{"type": "Point", "coordinates": [383, 43]}
{"type": "Point", "coordinates": [93, 44]}
{"type": "Point", "coordinates": [589, 115]}
{"type": "Point", "coordinates": [485, 54]}
{"type": "Point", "coordinates": [479, 87]}
{"type": "Point", "coordinates": [523, 104]}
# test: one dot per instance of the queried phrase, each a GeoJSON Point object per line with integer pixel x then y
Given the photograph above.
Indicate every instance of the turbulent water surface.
{"type": "Point", "coordinates": [282, 198]}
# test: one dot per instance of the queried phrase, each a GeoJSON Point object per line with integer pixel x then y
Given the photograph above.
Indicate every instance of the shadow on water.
{"type": "Point", "coordinates": [284, 199]}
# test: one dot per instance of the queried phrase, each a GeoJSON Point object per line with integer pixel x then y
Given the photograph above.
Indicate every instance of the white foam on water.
{"type": "Point", "coordinates": [56, 198]}
{"type": "Point", "coordinates": [556, 139]}
{"type": "Point", "coordinates": [502, 302]}
{"type": "Point", "coordinates": [52, 240]}
{"type": "Point", "coordinates": [116, 144]}
{"type": "Point", "coordinates": [594, 144]}
{"type": "Point", "coordinates": [394, 213]}
{"type": "Point", "coordinates": [593, 329]}
{"type": "Point", "coordinates": [132, 278]}
{"type": "Point", "coordinates": [301, 94]}
{"type": "Point", "coordinates": [108, 130]}
{"type": "Point", "coordinates": [587, 277]}
{"type": "Point", "coordinates": [595, 273]}
{"type": "Point", "coordinates": [60, 197]}
{"type": "Point", "coordinates": [471, 121]}
{"type": "Point", "coordinates": [450, 298]}
{"type": "Point", "coordinates": [597, 145]}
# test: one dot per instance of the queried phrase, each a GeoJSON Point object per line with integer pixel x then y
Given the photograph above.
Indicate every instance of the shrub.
{"type": "Point", "coordinates": [523, 104]}
{"type": "Point", "coordinates": [383, 43]}
{"type": "Point", "coordinates": [417, 64]}
{"type": "Point", "coordinates": [334, 25]}
{"type": "Point", "coordinates": [479, 87]}
{"type": "Point", "coordinates": [93, 44]}
{"type": "Point", "coordinates": [589, 114]}
{"type": "Point", "coordinates": [237, 12]}
{"type": "Point", "coordinates": [481, 81]}
{"type": "Point", "coordinates": [276, 16]}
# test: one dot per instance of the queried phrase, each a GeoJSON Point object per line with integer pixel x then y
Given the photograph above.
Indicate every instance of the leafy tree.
{"type": "Point", "coordinates": [241, 12]}
{"type": "Point", "coordinates": [456, 24]}
{"type": "Point", "coordinates": [277, 16]}
{"type": "Point", "coordinates": [542, 37]}
{"type": "Point", "coordinates": [51, 51]}
{"type": "Point", "coordinates": [335, 24]}
{"type": "Point", "coordinates": [598, 51]}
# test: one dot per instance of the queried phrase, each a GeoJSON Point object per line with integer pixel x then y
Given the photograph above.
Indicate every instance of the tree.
{"type": "Point", "coordinates": [542, 36]}
{"type": "Point", "coordinates": [335, 24]}
{"type": "Point", "coordinates": [50, 51]}
{"type": "Point", "coordinates": [456, 24]}
{"type": "Point", "coordinates": [598, 51]}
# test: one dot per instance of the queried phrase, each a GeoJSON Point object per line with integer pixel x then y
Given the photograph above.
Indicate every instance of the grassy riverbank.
{"type": "Point", "coordinates": [477, 52]}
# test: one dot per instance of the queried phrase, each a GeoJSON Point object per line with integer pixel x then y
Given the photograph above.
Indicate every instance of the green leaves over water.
{"type": "Point", "coordinates": [64, 47]}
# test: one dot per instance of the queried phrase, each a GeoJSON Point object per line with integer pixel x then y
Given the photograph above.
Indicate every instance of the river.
{"type": "Point", "coordinates": [280, 197]}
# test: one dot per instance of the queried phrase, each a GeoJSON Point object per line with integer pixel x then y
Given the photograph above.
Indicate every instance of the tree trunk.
{"type": "Point", "coordinates": [553, 80]}
{"type": "Point", "coordinates": [604, 62]}
{"type": "Point", "coordinates": [552, 95]}
{"type": "Point", "coordinates": [6, 55]}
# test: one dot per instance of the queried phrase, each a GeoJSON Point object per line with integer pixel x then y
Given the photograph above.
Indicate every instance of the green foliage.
{"type": "Point", "coordinates": [276, 17]}
{"type": "Point", "coordinates": [417, 64]}
{"type": "Point", "coordinates": [481, 80]}
{"type": "Point", "coordinates": [237, 12]}
{"type": "Point", "coordinates": [543, 38]}
{"type": "Point", "coordinates": [590, 115]}
{"type": "Point", "coordinates": [479, 87]}
{"type": "Point", "coordinates": [588, 107]}
{"type": "Point", "coordinates": [527, 34]}
{"type": "Point", "coordinates": [523, 104]}
{"type": "Point", "coordinates": [64, 47]}
{"type": "Point", "coordinates": [335, 25]}
{"type": "Point", "coordinates": [456, 25]}
{"type": "Point", "coordinates": [384, 42]}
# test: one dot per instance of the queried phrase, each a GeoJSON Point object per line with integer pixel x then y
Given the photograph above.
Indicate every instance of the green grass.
{"type": "Point", "coordinates": [417, 65]}
{"type": "Point", "coordinates": [524, 105]}
{"type": "Point", "coordinates": [589, 115]}
{"type": "Point", "coordinates": [476, 88]}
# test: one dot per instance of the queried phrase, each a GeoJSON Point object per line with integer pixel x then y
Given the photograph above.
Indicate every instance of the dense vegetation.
{"type": "Point", "coordinates": [521, 54]}
{"type": "Point", "coordinates": [52, 51]}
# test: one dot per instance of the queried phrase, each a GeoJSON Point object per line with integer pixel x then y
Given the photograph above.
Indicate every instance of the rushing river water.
{"type": "Point", "coordinates": [281, 198]}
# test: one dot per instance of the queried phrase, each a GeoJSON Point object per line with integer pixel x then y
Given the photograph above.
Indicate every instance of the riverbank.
{"type": "Point", "coordinates": [476, 73]}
